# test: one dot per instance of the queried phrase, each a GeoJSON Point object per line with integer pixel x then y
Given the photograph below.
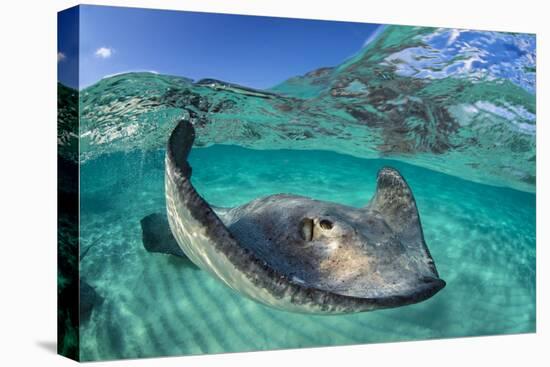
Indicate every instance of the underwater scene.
{"type": "Point", "coordinates": [452, 111]}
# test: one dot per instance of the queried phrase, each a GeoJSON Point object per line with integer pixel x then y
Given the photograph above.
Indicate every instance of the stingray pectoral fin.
{"type": "Point", "coordinates": [395, 201]}
{"type": "Point", "coordinates": [198, 230]}
{"type": "Point", "coordinates": [157, 236]}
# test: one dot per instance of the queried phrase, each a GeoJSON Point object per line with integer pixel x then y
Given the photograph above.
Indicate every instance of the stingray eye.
{"type": "Point", "coordinates": [325, 224]}
{"type": "Point", "coordinates": [306, 229]}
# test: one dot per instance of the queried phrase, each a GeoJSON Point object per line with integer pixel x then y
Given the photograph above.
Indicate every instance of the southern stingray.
{"type": "Point", "coordinates": [296, 253]}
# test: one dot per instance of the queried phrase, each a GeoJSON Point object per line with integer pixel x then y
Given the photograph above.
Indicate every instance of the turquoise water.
{"type": "Point", "coordinates": [482, 239]}
{"type": "Point", "coordinates": [452, 110]}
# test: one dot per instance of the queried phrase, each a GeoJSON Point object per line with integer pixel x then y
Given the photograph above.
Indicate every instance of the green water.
{"type": "Point", "coordinates": [482, 239]}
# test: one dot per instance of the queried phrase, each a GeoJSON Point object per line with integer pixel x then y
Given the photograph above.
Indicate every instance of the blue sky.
{"type": "Point", "coordinates": [254, 51]}
{"type": "Point", "coordinates": [67, 47]}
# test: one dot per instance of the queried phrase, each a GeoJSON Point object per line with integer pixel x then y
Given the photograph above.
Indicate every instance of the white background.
{"type": "Point", "coordinates": [28, 181]}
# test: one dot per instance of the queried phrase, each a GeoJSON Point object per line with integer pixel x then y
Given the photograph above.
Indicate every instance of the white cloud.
{"type": "Point", "coordinates": [104, 52]}
{"type": "Point", "coordinates": [61, 56]}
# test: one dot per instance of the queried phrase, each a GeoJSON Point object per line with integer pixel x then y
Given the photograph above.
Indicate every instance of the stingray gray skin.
{"type": "Point", "coordinates": [303, 255]}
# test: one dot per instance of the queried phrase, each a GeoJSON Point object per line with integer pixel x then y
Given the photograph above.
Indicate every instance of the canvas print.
{"type": "Point", "coordinates": [233, 183]}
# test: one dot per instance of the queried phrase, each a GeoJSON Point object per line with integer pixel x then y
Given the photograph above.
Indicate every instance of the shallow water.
{"type": "Point", "coordinates": [453, 109]}
{"type": "Point", "coordinates": [482, 239]}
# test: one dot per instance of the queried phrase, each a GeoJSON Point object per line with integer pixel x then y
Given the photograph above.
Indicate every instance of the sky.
{"type": "Point", "coordinates": [254, 51]}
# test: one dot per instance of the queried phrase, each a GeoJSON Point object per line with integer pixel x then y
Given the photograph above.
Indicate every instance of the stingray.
{"type": "Point", "coordinates": [293, 252]}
